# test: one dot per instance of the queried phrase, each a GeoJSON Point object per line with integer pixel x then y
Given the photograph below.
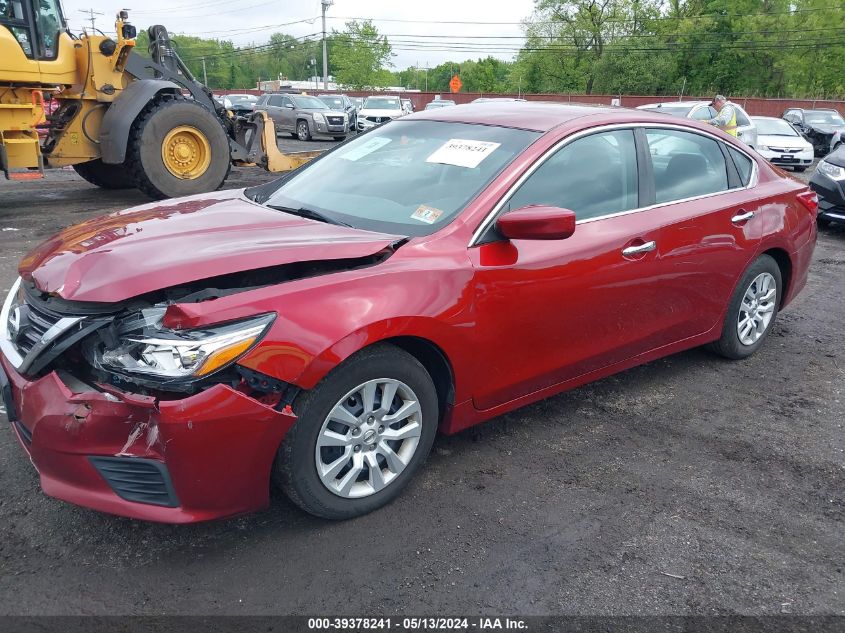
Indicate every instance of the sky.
{"type": "Point", "coordinates": [416, 42]}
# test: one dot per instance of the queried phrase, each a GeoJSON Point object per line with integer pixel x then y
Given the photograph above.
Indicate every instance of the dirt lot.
{"type": "Point", "coordinates": [691, 485]}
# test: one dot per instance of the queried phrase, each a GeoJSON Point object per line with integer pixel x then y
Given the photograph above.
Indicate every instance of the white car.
{"type": "Point", "coordinates": [781, 144]}
{"type": "Point", "coordinates": [378, 110]}
{"type": "Point", "coordinates": [746, 131]}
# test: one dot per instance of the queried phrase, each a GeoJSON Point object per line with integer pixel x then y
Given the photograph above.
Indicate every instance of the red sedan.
{"type": "Point", "coordinates": [170, 361]}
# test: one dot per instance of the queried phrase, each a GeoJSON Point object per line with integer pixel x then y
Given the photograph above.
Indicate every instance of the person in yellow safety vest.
{"type": "Point", "coordinates": [726, 119]}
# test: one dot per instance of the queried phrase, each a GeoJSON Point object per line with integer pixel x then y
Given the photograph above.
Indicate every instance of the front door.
{"type": "Point", "coordinates": [548, 311]}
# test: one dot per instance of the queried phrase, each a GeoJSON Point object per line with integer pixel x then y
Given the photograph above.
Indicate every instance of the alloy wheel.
{"type": "Point", "coordinates": [368, 438]}
{"type": "Point", "coordinates": [757, 308]}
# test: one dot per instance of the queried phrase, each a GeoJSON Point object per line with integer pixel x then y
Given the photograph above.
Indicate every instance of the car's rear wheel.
{"type": "Point", "coordinates": [752, 310]}
{"type": "Point", "coordinates": [360, 436]}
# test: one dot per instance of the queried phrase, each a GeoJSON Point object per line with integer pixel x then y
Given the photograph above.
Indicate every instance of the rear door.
{"type": "Point", "coordinates": [274, 110]}
{"type": "Point", "coordinates": [713, 225]}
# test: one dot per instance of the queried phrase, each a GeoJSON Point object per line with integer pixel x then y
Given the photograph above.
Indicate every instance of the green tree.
{"type": "Point", "coordinates": [358, 56]}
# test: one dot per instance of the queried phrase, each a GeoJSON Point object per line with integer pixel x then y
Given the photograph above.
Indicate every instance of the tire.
{"type": "Point", "coordinates": [339, 138]}
{"type": "Point", "coordinates": [731, 345]}
{"type": "Point", "coordinates": [295, 468]}
{"type": "Point", "coordinates": [823, 222]}
{"type": "Point", "coordinates": [150, 132]}
{"type": "Point", "coordinates": [303, 130]}
{"type": "Point", "coordinates": [104, 175]}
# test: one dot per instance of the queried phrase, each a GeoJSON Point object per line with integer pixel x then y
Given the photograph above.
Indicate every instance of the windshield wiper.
{"type": "Point", "coordinates": [311, 214]}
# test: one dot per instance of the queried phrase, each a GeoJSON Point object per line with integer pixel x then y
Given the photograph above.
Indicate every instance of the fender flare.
{"type": "Point", "coordinates": [121, 114]}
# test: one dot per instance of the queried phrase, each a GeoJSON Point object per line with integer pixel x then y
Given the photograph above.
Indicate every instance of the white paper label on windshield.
{"type": "Point", "coordinates": [462, 153]}
{"type": "Point", "coordinates": [427, 214]}
{"type": "Point", "coordinates": [368, 147]}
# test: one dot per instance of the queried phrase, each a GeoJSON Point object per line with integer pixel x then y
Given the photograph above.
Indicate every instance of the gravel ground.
{"type": "Point", "coordinates": [691, 485]}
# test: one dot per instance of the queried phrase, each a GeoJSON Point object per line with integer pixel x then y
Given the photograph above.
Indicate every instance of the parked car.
{"type": "Point", "coordinates": [166, 362]}
{"type": "Point", "coordinates": [822, 127]}
{"type": "Point", "coordinates": [378, 110]}
{"type": "Point", "coordinates": [408, 106]}
{"type": "Point", "coordinates": [781, 144]}
{"type": "Point", "coordinates": [359, 102]}
{"type": "Point", "coordinates": [342, 103]}
{"type": "Point", "coordinates": [303, 116]}
{"type": "Point", "coordinates": [439, 103]}
{"type": "Point", "coordinates": [240, 105]}
{"type": "Point", "coordinates": [828, 182]}
{"type": "Point", "coordinates": [702, 111]}
{"type": "Point", "coordinates": [495, 99]}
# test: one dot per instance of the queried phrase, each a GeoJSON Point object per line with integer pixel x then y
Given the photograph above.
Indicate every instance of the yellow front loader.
{"type": "Point", "coordinates": [123, 120]}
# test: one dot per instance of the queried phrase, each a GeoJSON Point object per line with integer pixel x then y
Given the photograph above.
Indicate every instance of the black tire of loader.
{"type": "Point", "coordinates": [144, 162]}
{"type": "Point", "coordinates": [104, 175]}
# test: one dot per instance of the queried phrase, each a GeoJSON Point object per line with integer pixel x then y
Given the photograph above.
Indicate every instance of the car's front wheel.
{"type": "Point", "coordinates": [752, 309]}
{"type": "Point", "coordinates": [303, 132]}
{"type": "Point", "coordinates": [360, 436]}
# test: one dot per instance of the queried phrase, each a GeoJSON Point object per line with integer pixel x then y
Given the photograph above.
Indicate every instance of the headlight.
{"type": "Point", "coordinates": [143, 347]}
{"type": "Point", "coordinates": [318, 118]}
{"type": "Point", "coordinates": [834, 171]}
{"type": "Point", "coordinates": [765, 148]}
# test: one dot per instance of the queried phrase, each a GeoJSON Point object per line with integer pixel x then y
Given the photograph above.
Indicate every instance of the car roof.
{"type": "Point", "coordinates": [771, 118]}
{"type": "Point", "coordinates": [540, 116]}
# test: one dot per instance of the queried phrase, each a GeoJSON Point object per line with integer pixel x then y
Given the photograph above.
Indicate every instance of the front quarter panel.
{"type": "Point", "coordinates": [322, 321]}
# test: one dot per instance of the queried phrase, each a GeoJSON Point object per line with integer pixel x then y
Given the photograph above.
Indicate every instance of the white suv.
{"type": "Point", "coordinates": [746, 130]}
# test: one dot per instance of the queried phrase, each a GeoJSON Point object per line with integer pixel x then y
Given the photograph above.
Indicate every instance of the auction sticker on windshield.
{"type": "Point", "coordinates": [462, 153]}
{"type": "Point", "coordinates": [359, 151]}
{"type": "Point", "coordinates": [426, 214]}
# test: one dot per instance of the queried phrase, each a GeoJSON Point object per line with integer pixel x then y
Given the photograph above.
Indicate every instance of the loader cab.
{"type": "Point", "coordinates": [36, 25]}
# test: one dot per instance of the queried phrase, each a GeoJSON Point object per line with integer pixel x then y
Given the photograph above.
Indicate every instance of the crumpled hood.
{"type": "Point", "coordinates": [154, 246]}
{"type": "Point", "coordinates": [826, 128]}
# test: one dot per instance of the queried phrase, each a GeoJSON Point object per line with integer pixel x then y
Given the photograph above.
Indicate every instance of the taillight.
{"type": "Point", "coordinates": [810, 200]}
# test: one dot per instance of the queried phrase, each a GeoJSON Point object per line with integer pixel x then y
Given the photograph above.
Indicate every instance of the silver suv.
{"type": "Point", "coordinates": [746, 130]}
{"type": "Point", "coordinates": [303, 116]}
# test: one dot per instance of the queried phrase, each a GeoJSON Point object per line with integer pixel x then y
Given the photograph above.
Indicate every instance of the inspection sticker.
{"type": "Point", "coordinates": [357, 151]}
{"type": "Point", "coordinates": [426, 214]}
{"type": "Point", "coordinates": [462, 153]}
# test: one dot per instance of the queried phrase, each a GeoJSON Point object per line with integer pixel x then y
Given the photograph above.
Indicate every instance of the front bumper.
{"type": "Point", "coordinates": [831, 194]}
{"type": "Point", "coordinates": [327, 128]}
{"type": "Point", "coordinates": [201, 457]}
{"type": "Point", "coordinates": [786, 159]}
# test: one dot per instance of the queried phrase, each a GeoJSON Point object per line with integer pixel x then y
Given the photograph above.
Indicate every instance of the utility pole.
{"type": "Point", "coordinates": [204, 74]}
{"type": "Point", "coordinates": [91, 13]}
{"type": "Point", "coordinates": [326, 4]}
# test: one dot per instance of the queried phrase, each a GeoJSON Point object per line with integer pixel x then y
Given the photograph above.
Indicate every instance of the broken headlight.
{"type": "Point", "coordinates": [140, 345]}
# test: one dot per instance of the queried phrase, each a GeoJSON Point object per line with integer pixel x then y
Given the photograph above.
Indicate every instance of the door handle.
{"type": "Point", "coordinates": [641, 248]}
{"type": "Point", "coordinates": [742, 217]}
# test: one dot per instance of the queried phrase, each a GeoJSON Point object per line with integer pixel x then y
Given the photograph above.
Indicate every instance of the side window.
{"type": "Point", "coordinates": [12, 15]}
{"type": "Point", "coordinates": [593, 176]}
{"type": "Point", "coordinates": [743, 165]}
{"type": "Point", "coordinates": [741, 119]}
{"type": "Point", "coordinates": [287, 101]}
{"type": "Point", "coordinates": [685, 164]}
{"type": "Point", "coordinates": [275, 100]}
{"type": "Point", "coordinates": [702, 114]}
{"type": "Point", "coordinates": [49, 26]}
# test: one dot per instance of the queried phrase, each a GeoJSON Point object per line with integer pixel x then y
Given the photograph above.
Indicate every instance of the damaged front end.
{"type": "Point", "coordinates": [125, 415]}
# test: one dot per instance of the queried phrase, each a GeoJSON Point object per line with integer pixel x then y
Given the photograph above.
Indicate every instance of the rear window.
{"type": "Point", "coordinates": [743, 165]}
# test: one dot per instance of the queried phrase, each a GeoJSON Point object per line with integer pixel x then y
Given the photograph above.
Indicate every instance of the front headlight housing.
{"type": "Point", "coordinates": [834, 171]}
{"type": "Point", "coordinates": [141, 346]}
{"type": "Point", "coordinates": [318, 118]}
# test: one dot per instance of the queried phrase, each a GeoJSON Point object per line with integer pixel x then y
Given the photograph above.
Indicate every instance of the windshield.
{"type": "Point", "coordinates": [823, 118]}
{"type": "Point", "coordinates": [332, 102]}
{"type": "Point", "coordinates": [309, 103]}
{"type": "Point", "coordinates": [382, 103]}
{"type": "Point", "coordinates": [680, 111]}
{"type": "Point", "coordinates": [405, 177]}
{"type": "Point", "coordinates": [774, 127]}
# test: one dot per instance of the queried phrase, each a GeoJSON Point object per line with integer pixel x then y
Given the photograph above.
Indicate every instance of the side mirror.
{"type": "Point", "coordinates": [289, 106]}
{"type": "Point", "coordinates": [537, 222]}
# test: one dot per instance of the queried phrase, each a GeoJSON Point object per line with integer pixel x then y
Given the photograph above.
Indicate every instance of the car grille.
{"type": "Point", "coordinates": [378, 119]}
{"type": "Point", "coordinates": [335, 120]}
{"type": "Point", "coordinates": [39, 321]}
{"type": "Point", "coordinates": [784, 150]}
{"type": "Point", "coordinates": [137, 479]}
